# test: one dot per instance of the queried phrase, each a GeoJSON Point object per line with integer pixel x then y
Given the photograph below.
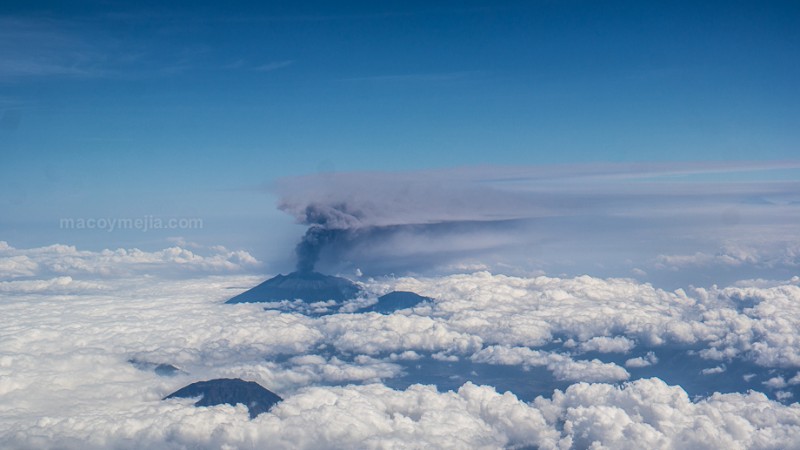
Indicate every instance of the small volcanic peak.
{"type": "Point", "coordinates": [304, 285]}
{"type": "Point", "coordinates": [395, 301]}
{"type": "Point", "coordinates": [160, 369]}
{"type": "Point", "coordinates": [230, 391]}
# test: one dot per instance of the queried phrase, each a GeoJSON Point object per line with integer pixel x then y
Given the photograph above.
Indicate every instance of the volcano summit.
{"type": "Point", "coordinates": [306, 286]}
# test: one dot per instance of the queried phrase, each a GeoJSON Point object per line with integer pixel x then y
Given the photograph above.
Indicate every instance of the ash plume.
{"type": "Point", "coordinates": [371, 210]}
{"type": "Point", "coordinates": [327, 223]}
{"type": "Point", "coordinates": [555, 216]}
{"type": "Point", "coordinates": [310, 246]}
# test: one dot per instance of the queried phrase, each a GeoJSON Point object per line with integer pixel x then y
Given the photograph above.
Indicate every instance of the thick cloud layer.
{"type": "Point", "coordinates": [646, 413]}
{"type": "Point", "coordinates": [58, 260]}
{"type": "Point", "coordinates": [66, 380]}
{"type": "Point", "coordinates": [613, 219]}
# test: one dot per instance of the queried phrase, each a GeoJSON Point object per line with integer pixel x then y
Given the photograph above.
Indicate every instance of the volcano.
{"type": "Point", "coordinates": [304, 285]}
{"type": "Point", "coordinates": [230, 391]}
{"type": "Point", "coordinates": [395, 301]}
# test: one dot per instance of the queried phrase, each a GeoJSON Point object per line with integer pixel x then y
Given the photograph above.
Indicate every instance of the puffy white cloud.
{"type": "Point", "coordinates": [648, 413]}
{"type": "Point", "coordinates": [56, 285]}
{"type": "Point", "coordinates": [408, 355]}
{"type": "Point", "coordinates": [479, 310]}
{"type": "Point", "coordinates": [530, 311]}
{"type": "Point", "coordinates": [371, 416]}
{"type": "Point", "coordinates": [758, 322]}
{"type": "Point", "coordinates": [374, 333]}
{"type": "Point", "coordinates": [17, 265]}
{"type": "Point", "coordinates": [308, 370]}
{"type": "Point", "coordinates": [776, 383]}
{"type": "Point", "coordinates": [65, 379]}
{"type": "Point", "coordinates": [758, 254]}
{"type": "Point", "coordinates": [68, 260]}
{"type": "Point", "coordinates": [641, 414]}
{"type": "Point", "coordinates": [748, 322]}
{"type": "Point", "coordinates": [442, 356]}
{"type": "Point", "coordinates": [562, 366]}
{"type": "Point", "coordinates": [642, 361]}
{"type": "Point", "coordinates": [604, 344]}
{"type": "Point", "coordinates": [714, 370]}
{"type": "Point", "coordinates": [762, 283]}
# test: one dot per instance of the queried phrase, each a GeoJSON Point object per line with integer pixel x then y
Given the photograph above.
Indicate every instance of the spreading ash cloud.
{"type": "Point", "coordinates": [656, 222]}
{"type": "Point", "coordinates": [363, 208]}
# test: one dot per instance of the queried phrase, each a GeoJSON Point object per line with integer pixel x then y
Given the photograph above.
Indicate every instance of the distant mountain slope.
{"type": "Point", "coordinates": [307, 286]}
{"type": "Point", "coordinates": [394, 301]}
{"type": "Point", "coordinates": [230, 391]}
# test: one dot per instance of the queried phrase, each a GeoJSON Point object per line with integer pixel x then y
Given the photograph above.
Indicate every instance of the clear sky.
{"type": "Point", "coordinates": [125, 109]}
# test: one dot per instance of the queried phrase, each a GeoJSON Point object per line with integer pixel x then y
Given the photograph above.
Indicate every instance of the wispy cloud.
{"type": "Point", "coordinates": [417, 77]}
{"type": "Point", "coordinates": [45, 47]}
{"type": "Point", "coordinates": [41, 47]}
{"type": "Point", "coordinates": [274, 65]}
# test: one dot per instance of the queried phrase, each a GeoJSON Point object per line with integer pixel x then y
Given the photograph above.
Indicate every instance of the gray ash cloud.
{"type": "Point", "coordinates": [309, 248]}
{"type": "Point", "coordinates": [560, 219]}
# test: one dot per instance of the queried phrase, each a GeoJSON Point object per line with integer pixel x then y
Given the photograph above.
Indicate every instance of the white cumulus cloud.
{"type": "Point", "coordinates": [66, 341]}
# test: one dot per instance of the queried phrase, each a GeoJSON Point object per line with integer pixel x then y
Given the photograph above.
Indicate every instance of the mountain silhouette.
{"type": "Point", "coordinates": [394, 301]}
{"type": "Point", "coordinates": [306, 286]}
{"type": "Point", "coordinates": [160, 369]}
{"type": "Point", "coordinates": [230, 391]}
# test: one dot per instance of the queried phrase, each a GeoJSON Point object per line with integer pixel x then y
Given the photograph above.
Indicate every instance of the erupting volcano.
{"type": "Point", "coordinates": [307, 286]}
{"type": "Point", "coordinates": [304, 284]}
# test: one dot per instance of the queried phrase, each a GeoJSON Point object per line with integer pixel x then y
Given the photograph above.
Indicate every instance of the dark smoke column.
{"type": "Point", "coordinates": [309, 248]}
{"type": "Point", "coordinates": [326, 224]}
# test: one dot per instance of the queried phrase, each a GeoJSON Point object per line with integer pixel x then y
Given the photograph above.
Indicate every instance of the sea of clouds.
{"type": "Point", "coordinates": [73, 320]}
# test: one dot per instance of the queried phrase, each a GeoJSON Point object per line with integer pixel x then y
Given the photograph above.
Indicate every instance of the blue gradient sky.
{"type": "Point", "coordinates": [191, 110]}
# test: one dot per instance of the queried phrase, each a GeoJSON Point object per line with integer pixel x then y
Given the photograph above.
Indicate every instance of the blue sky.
{"type": "Point", "coordinates": [196, 109]}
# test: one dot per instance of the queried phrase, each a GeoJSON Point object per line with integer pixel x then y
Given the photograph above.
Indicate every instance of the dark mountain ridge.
{"type": "Point", "coordinates": [230, 391]}
{"type": "Point", "coordinates": [306, 286]}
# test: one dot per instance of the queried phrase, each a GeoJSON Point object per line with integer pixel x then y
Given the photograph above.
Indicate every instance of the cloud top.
{"type": "Point", "coordinates": [66, 380]}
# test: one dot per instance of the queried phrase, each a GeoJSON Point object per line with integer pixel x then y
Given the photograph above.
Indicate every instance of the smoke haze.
{"type": "Point", "coordinates": [607, 218]}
